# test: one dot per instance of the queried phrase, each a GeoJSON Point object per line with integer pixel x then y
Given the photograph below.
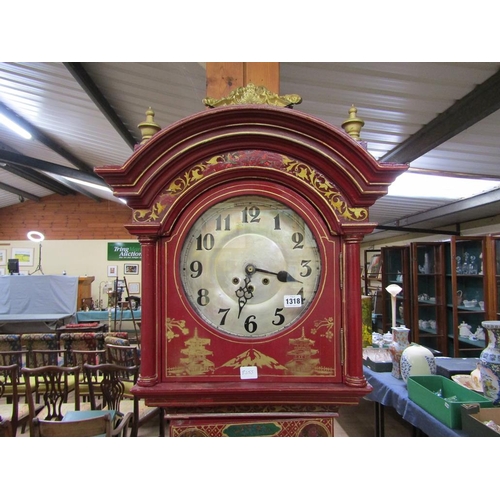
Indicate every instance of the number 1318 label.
{"type": "Point", "coordinates": [292, 301]}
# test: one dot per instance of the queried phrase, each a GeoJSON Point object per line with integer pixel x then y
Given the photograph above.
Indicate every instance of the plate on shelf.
{"type": "Point", "coordinates": [468, 382]}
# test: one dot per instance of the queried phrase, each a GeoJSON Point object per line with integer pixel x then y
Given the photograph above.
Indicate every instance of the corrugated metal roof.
{"type": "Point", "coordinates": [395, 99]}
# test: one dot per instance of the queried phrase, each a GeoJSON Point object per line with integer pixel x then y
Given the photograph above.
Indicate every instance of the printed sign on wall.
{"type": "Point", "coordinates": [124, 251]}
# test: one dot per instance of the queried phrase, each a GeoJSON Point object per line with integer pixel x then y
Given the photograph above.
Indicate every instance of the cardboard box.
{"type": "Point", "coordinates": [474, 418]}
{"type": "Point", "coordinates": [378, 366]}
{"type": "Point", "coordinates": [447, 367]}
{"type": "Point", "coordinates": [374, 362]}
{"type": "Point", "coordinates": [443, 398]}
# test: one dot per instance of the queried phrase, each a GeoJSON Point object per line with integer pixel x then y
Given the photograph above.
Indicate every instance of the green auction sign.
{"type": "Point", "coordinates": [124, 251]}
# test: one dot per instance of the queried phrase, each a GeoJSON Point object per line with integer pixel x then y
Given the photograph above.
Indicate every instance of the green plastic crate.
{"type": "Point", "coordinates": [423, 390]}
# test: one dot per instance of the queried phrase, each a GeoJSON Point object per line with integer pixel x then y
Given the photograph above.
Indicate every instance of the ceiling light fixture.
{"type": "Point", "coordinates": [93, 186]}
{"type": "Point", "coordinates": [413, 185]}
{"type": "Point", "coordinates": [15, 127]}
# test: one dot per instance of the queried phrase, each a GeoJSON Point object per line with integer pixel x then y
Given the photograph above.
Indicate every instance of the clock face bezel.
{"type": "Point", "coordinates": [250, 266]}
{"type": "Point", "coordinates": [275, 290]}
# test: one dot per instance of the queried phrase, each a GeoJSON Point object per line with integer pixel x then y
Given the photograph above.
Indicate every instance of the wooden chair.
{"type": "Point", "coordinates": [120, 335]}
{"type": "Point", "coordinates": [111, 340]}
{"type": "Point", "coordinates": [111, 390]}
{"type": "Point", "coordinates": [123, 355]}
{"type": "Point", "coordinates": [91, 427]}
{"type": "Point", "coordinates": [79, 358]}
{"type": "Point", "coordinates": [10, 342]}
{"type": "Point", "coordinates": [37, 358]}
{"type": "Point", "coordinates": [82, 341]}
{"type": "Point", "coordinates": [11, 409]}
{"type": "Point", "coordinates": [6, 428]}
{"type": "Point", "coordinates": [113, 386]}
{"type": "Point", "coordinates": [130, 356]}
{"type": "Point", "coordinates": [49, 385]}
{"type": "Point", "coordinates": [39, 342]}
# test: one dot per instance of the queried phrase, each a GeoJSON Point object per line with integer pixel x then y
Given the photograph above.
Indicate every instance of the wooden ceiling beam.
{"type": "Point", "coordinates": [224, 77]}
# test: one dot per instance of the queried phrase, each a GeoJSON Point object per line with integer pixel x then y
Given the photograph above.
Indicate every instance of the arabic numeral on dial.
{"type": "Point", "coordinates": [250, 214]}
{"type": "Point", "coordinates": [224, 314]}
{"type": "Point", "coordinates": [250, 325]}
{"type": "Point", "coordinates": [307, 268]}
{"type": "Point", "coordinates": [277, 223]}
{"type": "Point", "coordinates": [280, 318]}
{"type": "Point", "coordinates": [298, 239]}
{"type": "Point", "coordinates": [227, 223]}
{"type": "Point", "coordinates": [205, 242]}
{"type": "Point", "coordinates": [203, 298]}
{"type": "Point", "coordinates": [196, 268]}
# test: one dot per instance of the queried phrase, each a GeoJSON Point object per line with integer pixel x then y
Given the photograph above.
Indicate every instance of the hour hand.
{"type": "Point", "coordinates": [244, 293]}
{"type": "Point", "coordinates": [282, 276]}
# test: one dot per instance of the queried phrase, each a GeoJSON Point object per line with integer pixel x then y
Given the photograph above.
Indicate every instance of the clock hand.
{"type": "Point", "coordinates": [244, 294]}
{"type": "Point", "coordinates": [282, 276]}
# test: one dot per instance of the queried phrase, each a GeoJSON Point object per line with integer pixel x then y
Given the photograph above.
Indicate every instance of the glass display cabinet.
{"type": "Point", "coordinates": [494, 285]}
{"type": "Point", "coordinates": [396, 270]}
{"type": "Point", "coordinates": [372, 285]}
{"type": "Point", "coordinates": [466, 295]}
{"type": "Point", "coordinates": [428, 296]}
{"type": "Point", "coordinates": [372, 271]}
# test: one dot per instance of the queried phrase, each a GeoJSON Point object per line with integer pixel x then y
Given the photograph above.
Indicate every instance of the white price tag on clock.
{"type": "Point", "coordinates": [292, 301]}
{"type": "Point", "coordinates": [248, 372]}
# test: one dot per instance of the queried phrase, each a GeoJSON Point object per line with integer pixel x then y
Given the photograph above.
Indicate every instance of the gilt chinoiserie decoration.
{"type": "Point", "coordinates": [250, 218]}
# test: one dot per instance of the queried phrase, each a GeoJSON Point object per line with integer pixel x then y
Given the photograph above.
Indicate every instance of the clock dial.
{"type": "Point", "coordinates": [250, 266]}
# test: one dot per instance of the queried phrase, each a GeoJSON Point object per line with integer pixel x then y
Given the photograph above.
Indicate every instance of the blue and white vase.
{"type": "Point", "coordinates": [399, 343]}
{"type": "Point", "coordinates": [417, 360]}
{"type": "Point", "coordinates": [489, 362]}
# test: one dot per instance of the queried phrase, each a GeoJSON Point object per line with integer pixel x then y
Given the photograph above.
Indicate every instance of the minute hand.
{"type": "Point", "coordinates": [282, 276]}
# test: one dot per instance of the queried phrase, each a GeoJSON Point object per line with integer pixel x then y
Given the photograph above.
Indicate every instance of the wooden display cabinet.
{"type": "Point", "coordinates": [84, 292]}
{"type": "Point", "coordinates": [372, 271]}
{"type": "Point", "coordinates": [494, 279]}
{"type": "Point", "coordinates": [372, 279]}
{"type": "Point", "coordinates": [467, 295]}
{"type": "Point", "coordinates": [428, 295]}
{"type": "Point", "coordinates": [396, 269]}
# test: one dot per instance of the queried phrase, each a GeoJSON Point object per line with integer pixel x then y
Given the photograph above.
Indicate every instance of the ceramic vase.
{"type": "Point", "coordinates": [417, 360]}
{"type": "Point", "coordinates": [396, 347]}
{"type": "Point", "coordinates": [489, 362]}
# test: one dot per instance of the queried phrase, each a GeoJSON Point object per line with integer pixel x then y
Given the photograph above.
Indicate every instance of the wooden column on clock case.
{"type": "Point", "coordinates": [352, 341]}
{"type": "Point", "coordinates": [149, 324]}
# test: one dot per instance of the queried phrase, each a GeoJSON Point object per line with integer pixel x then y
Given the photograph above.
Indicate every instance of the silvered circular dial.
{"type": "Point", "coordinates": [250, 266]}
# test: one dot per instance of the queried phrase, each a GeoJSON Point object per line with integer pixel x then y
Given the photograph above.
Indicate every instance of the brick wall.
{"type": "Point", "coordinates": [70, 217]}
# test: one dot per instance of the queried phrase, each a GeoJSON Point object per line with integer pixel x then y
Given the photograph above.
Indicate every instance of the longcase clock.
{"type": "Point", "coordinates": [250, 219]}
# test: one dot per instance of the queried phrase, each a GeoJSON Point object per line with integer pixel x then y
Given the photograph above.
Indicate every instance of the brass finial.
{"type": "Point", "coordinates": [353, 124]}
{"type": "Point", "coordinates": [149, 127]}
{"type": "Point", "coordinates": [251, 94]}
